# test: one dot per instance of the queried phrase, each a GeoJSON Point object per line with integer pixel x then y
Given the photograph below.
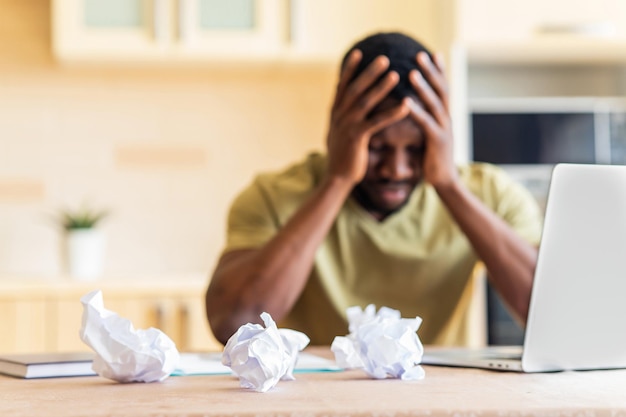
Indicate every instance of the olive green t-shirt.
{"type": "Point", "coordinates": [416, 260]}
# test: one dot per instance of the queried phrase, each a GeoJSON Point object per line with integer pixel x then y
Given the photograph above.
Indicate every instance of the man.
{"type": "Point", "coordinates": [386, 217]}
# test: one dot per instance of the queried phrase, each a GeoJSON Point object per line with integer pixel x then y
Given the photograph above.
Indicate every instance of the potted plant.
{"type": "Point", "coordinates": [84, 242]}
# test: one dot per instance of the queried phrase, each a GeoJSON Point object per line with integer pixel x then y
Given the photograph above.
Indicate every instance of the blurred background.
{"type": "Point", "coordinates": [159, 111]}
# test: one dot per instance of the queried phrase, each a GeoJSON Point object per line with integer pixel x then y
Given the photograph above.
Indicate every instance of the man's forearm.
{"type": "Point", "coordinates": [509, 259]}
{"type": "Point", "coordinates": [272, 278]}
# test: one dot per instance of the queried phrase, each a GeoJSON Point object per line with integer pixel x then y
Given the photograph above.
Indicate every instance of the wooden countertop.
{"type": "Point", "coordinates": [444, 392]}
{"type": "Point", "coordinates": [38, 288]}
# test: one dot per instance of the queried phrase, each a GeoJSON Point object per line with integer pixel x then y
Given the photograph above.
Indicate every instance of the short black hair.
{"type": "Point", "coordinates": [401, 51]}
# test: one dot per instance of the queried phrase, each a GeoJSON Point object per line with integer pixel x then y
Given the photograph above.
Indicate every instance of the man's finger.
{"type": "Point", "coordinates": [440, 63]}
{"type": "Point", "coordinates": [375, 95]}
{"type": "Point", "coordinates": [346, 74]}
{"type": "Point", "coordinates": [434, 74]}
{"type": "Point", "coordinates": [362, 83]}
{"type": "Point", "coordinates": [422, 117]}
{"type": "Point", "coordinates": [387, 117]}
{"type": "Point", "coordinates": [428, 96]}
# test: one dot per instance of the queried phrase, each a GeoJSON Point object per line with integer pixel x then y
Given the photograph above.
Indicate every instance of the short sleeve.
{"type": "Point", "coordinates": [512, 202]}
{"type": "Point", "coordinates": [260, 210]}
{"type": "Point", "coordinates": [251, 222]}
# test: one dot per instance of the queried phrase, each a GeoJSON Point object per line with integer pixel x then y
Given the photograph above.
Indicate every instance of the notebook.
{"type": "Point", "coordinates": [47, 365]}
{"type": "Point", "coordinates": [577, 312]}
{"type": "Point", "coordinates": [56, 365]}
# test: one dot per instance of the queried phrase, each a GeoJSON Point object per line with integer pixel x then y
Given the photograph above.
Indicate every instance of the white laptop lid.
{"type": "Point", "coordinates": [577, 315]}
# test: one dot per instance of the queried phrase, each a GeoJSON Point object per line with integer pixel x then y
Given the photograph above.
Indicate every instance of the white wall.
{"type": "Point", "coordinates": [164, 150]}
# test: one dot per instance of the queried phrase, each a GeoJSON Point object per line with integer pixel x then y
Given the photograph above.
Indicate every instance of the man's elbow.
{"type": "Point", "coordinates": [221, 326]}
{"type": "Point", "coordinates": [221, 331]}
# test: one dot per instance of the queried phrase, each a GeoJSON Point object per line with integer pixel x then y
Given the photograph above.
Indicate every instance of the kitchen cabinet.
{"type": "Point", "coordinates": [322, 30]}
{"type": "Point", "coordinates": [526, 31]}
{"type": "Point", "coordinates": [167, 30]}
{"type": "Point", "coordinates": [532, 48]}
{"type": "Point", "coordinates": [46, 317]}
{"type": "Point", "coordinates": [22, 321]}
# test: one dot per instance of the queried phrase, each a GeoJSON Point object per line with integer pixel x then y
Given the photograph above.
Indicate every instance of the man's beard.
{"type": "Point", "coordinates": [362, 194]}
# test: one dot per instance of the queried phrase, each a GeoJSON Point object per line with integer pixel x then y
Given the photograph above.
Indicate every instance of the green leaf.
{"type": "Point", "coordinates": [81, 219]}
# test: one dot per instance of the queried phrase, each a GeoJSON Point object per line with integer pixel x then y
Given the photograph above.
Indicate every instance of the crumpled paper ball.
{"type": "Point", "coordinates": [383, 344]}
{"type": "Point", "coordinates": [260, 357]}
{"type": "Point", "coordinates": [124, 354]}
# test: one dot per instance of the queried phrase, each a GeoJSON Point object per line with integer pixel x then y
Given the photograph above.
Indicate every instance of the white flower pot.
{"type": "Point", "coordinates": [85, 254]}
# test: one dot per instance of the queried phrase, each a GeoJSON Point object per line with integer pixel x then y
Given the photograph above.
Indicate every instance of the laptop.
{"type": "Point", "coordinates": [577, 312]}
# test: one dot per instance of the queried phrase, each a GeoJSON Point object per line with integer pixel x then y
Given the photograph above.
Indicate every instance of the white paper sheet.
{"type": "Point", "coordinates": [211, 364]}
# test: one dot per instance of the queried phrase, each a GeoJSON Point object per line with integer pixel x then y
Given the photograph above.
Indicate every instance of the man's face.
{"type": "Point", "coordinates": [394, 168]}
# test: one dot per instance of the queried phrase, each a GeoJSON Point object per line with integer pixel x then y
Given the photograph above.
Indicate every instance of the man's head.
{"type": "Point", "coordinates": [396, 152]}
{"type": "Point", "coordinates": [401, 51]}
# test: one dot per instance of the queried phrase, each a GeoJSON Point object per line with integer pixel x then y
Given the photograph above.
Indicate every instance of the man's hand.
{"type": "Point", "coordinates": [350, 128]}
{"type": "Point", "coordinates": [509, 259]}
{"type": "Point", "coordinates": [438, 167]}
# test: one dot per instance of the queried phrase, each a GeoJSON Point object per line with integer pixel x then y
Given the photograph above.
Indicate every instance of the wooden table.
{"type": "Point", "coordinates": [444, 392]}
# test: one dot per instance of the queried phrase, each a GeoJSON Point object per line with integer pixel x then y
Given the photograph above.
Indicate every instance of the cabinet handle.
{"type": "Point", "coordinates": [159, 23]}
{"type": "Point", "coordinates": [184, 19]}
{"type": "Point", "coordinates": [296, 21]}
{"type": "Point", "coordinates": [184, 326]}
{"type": "Point", "coordinates": [583, 29]}
{"type": "Point", "coordinates": [159, 312]}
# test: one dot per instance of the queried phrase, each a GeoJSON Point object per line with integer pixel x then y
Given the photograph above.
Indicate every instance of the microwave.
{"type": "Point", "coordinates": [522, 131]}
{"type": "Point", "coordinates": [527, 136]}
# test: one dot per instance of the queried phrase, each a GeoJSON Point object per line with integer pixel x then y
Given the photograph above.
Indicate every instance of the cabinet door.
{"type": "Point", "coordinates": [231, 28]}
{"type": "Point", "coordinates": [110, 28]}
{"type": "Point", "coordinates": [529, 31]}
{"type": "Point", "coordinates": [66, 315]}
{"type": "Point", "coordinates": [23, 325]}
{"type": "Point", "coordinates": [194, 332]}
{"type": "Point", "coordinates": [181, 317]}
{"type": "Point", "coordinates": [519, 20]}
{"type": "Point", "coordinates": [325, 29]}
{"type": "Point", "coordinates": [63, 325]}
{"type": "Point", "coordinates": [168, 29]}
